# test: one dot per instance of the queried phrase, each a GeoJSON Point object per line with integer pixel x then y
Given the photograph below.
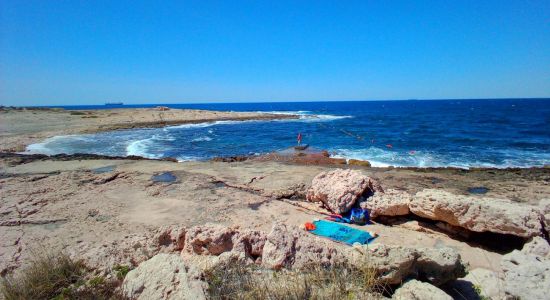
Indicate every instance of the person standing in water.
{"type": "Point", "coordinates": [299, 138]}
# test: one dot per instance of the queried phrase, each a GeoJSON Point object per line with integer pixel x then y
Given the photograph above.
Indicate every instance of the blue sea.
{"type": "Point", "coordinates": [421, 133]}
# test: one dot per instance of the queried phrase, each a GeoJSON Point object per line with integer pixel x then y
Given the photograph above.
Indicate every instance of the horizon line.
{"type": "Point", "coordinates": [292, 101]}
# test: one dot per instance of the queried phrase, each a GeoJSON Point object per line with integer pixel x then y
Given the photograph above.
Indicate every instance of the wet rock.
{"type": "Point", "coordinates": [165, 276]}
{"type": "Point", "coordinates": [339, 189]}
{"type": "Point", "coordinates": [477, 214]}
{"type": "Point", "coordinates": [289, 247]}
{"type": "Point", "coordinates": [357, 162]}
{"type": "Point", "coordinates": [231, 158]}
{"type": "Point", "coordinates": [390, 203]}
{"type": "Point", "coordinates": [414, 289]}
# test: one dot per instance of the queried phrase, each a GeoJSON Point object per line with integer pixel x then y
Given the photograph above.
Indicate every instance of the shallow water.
{"type": "Point", "coordinates": [478, 190]}
{"type": "Point", "coordinates": [457, 133]}
{"type": "Point", "coordinates": [164, 177]}
{"type": "Point", "coordinates": [106, 169]}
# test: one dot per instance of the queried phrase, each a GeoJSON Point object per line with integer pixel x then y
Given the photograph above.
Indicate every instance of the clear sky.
{"type": "Point", "coordinates": [91, 52]}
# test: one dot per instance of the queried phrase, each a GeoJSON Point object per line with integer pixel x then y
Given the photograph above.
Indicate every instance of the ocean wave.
{"type": "Point", "coordinates": [285, 112]}
{"type": "Point", "coordinates": [322, 118]}
{"type": "Point", "coordinates": [202, 139]}
{"type": "Point", "coordinates": [142, 148]}
{"type": "Point", "coordinates": [49, 147]}
{"type": "Point", "coordinates": [306, 116]}
{"type": "Point", "coordinates": [425, 159]}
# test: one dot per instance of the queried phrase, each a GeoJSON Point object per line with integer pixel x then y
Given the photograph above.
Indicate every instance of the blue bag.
{"type": "Point", "coordinates": [359, 216]}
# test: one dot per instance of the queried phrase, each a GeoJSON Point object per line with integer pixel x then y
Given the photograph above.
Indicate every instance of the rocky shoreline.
{"type": "Point", "coordinates": [442, 233]}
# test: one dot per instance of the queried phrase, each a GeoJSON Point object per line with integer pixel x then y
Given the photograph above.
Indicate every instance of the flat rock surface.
{"type": "Point", "coordinates": [63, 204]}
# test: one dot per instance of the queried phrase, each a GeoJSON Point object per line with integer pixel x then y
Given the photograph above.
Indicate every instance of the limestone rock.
{"type": "Point", "coordinates": [209, 239]}
{"type": "Point", "coordinates": [414, 289]}
{"type": "Point", "coordinates": [526, 276]}
{"type": "Point", "coordinates": [394, 264]}
{"type": "Point", "coordinates": [537, 246]}
{"type": "Point", "coordinates": [250, 242]}
{"type": "Point", "coordinates": [171, 238]}
{"type": "Point", "coordinates": [390, 203]}
{"type": "Point", "coordinates": [488, 282]}
{"type": "Point", "coordinates": [475, 214]}
{"type": "Point", "coordinates": [545, 212]}
{"type": "Point", "coordinates": [339, 189]}
{"type": "Point", "coordinates": [439, 265]}
{"type": "Point", "coordinates": [130, 251]}
{"type": "Point", "coordinates": [293, 248]}
{"type": "Point", "coordinates": [164, 276]}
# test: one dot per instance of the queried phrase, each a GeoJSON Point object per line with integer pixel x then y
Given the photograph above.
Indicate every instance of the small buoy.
{"type": "Point", "coordinates": [389, 146]}
{"type": "Point", "coordinates": [412, 152]}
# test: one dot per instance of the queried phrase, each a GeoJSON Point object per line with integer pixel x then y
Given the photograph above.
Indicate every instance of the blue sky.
{"type": "Point", "coordinates": [90, 52]}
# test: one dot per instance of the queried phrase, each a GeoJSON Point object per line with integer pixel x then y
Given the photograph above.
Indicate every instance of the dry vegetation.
{"type": "Point", "coordinates": [342, 281]}
{"type": "Point", "coordinates": [58, 277]}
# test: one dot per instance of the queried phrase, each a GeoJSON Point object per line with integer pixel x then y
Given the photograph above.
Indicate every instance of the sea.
{"type": "Point", "coordinates": [413, 133]}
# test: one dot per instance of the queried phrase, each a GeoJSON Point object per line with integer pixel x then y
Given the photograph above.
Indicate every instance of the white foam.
{"type": "Point", "coordinates": [44, 147]}
{"type": "Point", "coordinates": [202, 139]}
{"type": "Point", "coordinates": [384, 158]}
{"type": "Point", "coordinates": [322, 118]}
{"type": "Point", "coordinates": [141, 148]}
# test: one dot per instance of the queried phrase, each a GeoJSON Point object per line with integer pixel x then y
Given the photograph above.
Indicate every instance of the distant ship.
{"type": "Point", "coordinates": [114, 103]}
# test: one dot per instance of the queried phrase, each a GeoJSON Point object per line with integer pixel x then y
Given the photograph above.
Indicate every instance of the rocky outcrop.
{"type": "Point", "coordinates": [170, 238]}
{"type": "Point", "coordinates": [390, 203]}
{"type": "Point", "coordinates": [487, 215]}
{"type": "Point", "coordinates": [394, 264]}
{"type": "Point", "coordinates": [414, 289]}
{"type": "Point", "coordinates": [527, 272]}
{"type": "Point", "coordinates": [165, 276]}
{"type": "Point", "coordinates": [339, 189]}
{"type": "Point", "coordinates": [217, 239]}
{"type": "Point", "coordinates": [289, 247]}
{"type": "Point", "coordinates": [209, 239]}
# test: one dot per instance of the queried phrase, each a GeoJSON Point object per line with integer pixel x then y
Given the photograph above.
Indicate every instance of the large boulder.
{"type": "Point", "coordinates": [165, 276]}
{"type": "Point", "coordinates": [475, 214]}
{"type": "Point", "coordinates": [290, 247]}
{"type": "Point", "coordinates": [414, 289]}
{"type": "Point", "coordinates": [390, 203]}
{"type": "Point", "coordinates": [339, 189]}
{"type": "Point", "coordinates": [394, 264]}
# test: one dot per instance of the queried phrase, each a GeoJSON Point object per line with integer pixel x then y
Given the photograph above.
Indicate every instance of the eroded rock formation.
{"type": "Point", "coordinates": [339, 189]}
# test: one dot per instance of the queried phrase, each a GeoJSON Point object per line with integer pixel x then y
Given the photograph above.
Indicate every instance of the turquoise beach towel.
{"type": "Point", "coordinates": [341, 233]}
